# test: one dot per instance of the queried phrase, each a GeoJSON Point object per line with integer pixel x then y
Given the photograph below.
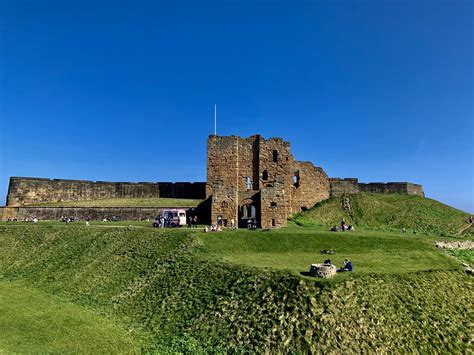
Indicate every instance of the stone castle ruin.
{"type": "Point", "coordinates": [254, 178]}
{"type": "Point", "coordinates": [247, 178]}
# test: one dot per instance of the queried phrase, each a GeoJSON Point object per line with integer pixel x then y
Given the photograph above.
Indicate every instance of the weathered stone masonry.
{"type": "Point", "coordinates": [27, 191]}
{"type": "Point", "coordinates": [254, 178]}
{"type": "Point", "coordinates": [247, 178]}
{"type": "Point", "coordinates": [353, 186]}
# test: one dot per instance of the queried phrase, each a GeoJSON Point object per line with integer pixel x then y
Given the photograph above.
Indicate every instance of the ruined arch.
{"type": "Point", "coordinates": [248, 209]}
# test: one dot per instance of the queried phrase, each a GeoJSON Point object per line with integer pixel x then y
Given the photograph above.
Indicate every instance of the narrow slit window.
{"type": "Point", "coordinates": [265, 175]}
{"type": "Point", "coordinates": [273, 204]}
{"type": "Point", "coordinates": [273, 222]}
{"type": "Point", "coordinates": [247, 183]}
{"type": "Point", "coordinates": [275, 156]}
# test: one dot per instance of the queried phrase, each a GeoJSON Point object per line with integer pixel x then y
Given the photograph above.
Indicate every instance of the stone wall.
{"type": "Point", "coordinates": [392, 187]}
{"type": "Point", "coordinates": [276, 165]}
{"type": "Point", "coordinates": [252, 173]}
{"type": "Point", "coordinates": [246, 177]}
{"type": "Point", "coordinates": [344, 186]}
{"type": "Point", "coordinates": [222, 176]}
{"type": "Point", "coordinates": [352, 186]}
{"type": "Point", "coordinates": [26, 191]}
{"type": "Point", "coordinates": [311, 185]}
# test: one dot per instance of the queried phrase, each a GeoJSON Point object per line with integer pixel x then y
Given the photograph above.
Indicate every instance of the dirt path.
{"type": "Point", "coordinates": [465, 228]}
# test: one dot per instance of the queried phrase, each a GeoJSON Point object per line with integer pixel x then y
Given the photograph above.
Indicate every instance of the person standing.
{"type": "Point", "coordinates": [195, 221]}
{"type": "Point", "coordinates": [232, 224]}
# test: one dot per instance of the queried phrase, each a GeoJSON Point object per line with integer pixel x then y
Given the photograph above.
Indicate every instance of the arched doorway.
{"type": "Point", "coordinates": [247, 211]}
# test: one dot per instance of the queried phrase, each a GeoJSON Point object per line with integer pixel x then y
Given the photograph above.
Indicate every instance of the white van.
{"type": "Point", "coordinates": [172, 218]}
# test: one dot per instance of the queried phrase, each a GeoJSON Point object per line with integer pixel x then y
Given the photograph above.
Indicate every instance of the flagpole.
{"type": "Point", "coordinates": [215, 120]}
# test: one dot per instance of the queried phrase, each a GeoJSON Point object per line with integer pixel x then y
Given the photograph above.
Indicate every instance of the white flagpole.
{"type": "Point", "coordinates": [215, 120]}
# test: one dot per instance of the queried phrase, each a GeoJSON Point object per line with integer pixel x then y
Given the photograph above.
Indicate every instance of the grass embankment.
{"type": "Point", "coordinates": [175, 290]}
{"type": "Point", "coordinates": [387, 211]}
{"type": "Point", "coordinates": [293, 248]}
{"type": "Point", "coordinates": [32, 321]}
{"type": "Point", "coordinates": [125, 202]}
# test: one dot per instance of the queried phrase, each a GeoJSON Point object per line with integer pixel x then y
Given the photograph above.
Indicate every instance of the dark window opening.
{"type": "Point", "coordinates": [275, 156]}
{"type": "Point", "coordinates": [265, 175]}
{"type": "Point", "coordinates": [273, 222]}
{"type": "Point", "coordinates": [273, 204]}
{"type": "Point", "coordinates": [268, 185]}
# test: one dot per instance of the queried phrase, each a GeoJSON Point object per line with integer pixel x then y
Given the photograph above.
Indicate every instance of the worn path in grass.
{"type": "Point", "coordinates": [32, 321]}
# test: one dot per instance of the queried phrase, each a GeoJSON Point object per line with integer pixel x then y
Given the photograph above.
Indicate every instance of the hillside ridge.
{"type": "Point", "coordinates": [386, 211]}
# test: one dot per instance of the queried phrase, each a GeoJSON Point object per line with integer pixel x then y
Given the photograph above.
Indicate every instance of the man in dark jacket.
{"type": "Point", "coordinates": [346, 267]}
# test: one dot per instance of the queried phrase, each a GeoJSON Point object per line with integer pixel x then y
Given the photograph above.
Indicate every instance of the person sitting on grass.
{"type": "Point", "coordinates": [346, 267]}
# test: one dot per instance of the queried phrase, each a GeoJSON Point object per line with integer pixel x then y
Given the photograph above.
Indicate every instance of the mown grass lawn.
{"type": "Point", "coordinates": [32, 321]}
{"type": "Point", "coordinates": [296, 248]}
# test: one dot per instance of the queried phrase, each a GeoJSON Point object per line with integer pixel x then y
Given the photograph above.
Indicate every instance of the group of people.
{"type": "Point", "coordinates": [347, 266]}
{"type": "Point", "coordinates": [68, 219]}
{"type": "Point", "coordinates": [192, 221]}
{"type": "Point", "coordinates": [252, 224]}
{"type": "Point", "coordinates": [344, 227]}
{"type": "Point", "coordinates": [213, 228]}
{"type": "Point", "coordinates": [165, 222]}
{"type": "Point", "coordinates": [32, 220]}
{"type": "Point", "coordinates": [219, 225]}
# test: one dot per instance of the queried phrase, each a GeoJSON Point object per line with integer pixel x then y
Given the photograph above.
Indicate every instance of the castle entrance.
{"type": "Point", "coordinates": [248, 211]}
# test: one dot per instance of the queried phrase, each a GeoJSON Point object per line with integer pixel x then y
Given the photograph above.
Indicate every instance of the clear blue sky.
{"type": "Point", "coordinates": [124, 90]}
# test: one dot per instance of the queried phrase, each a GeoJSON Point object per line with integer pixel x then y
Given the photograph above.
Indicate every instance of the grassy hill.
{"type": "Point", "coordinates": [33, 321]}
{"type": "Point", "coordinates": [183, 290]}
{"type": "Point", "coordinates": [386, 211]}
{"type": "Point", "coordinates": [126, 202]}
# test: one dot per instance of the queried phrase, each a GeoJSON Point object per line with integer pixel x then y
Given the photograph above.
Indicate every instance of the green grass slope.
{"type": "Point", "coordinates": [32, 321]}
{"type": "Point", "coordinates": [295, 248]}
{"type": "Point", "coordinates": [387, 211]}
{"type": "Point", "coordinates": [186, 291]}
{"type": "Point", "coordinates": [126, 202]}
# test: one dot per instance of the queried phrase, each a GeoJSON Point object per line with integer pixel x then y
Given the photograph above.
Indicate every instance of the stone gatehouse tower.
{"type": "Point", "coordinates": [254, 178]}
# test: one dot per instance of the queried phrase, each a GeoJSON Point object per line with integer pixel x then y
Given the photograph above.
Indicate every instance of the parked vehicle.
{"type": "Point", "coordinates": [170, 218]}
